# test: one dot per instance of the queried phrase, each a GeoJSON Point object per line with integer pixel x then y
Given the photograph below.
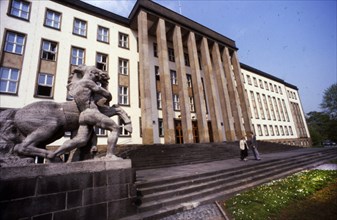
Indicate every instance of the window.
{"type": "Point", "coordinates": [122, 131]}
{"type": "Point", "coordinates": [103, 34]}
{"type": "Point", "coordinates": [261, 83]}
{"type": "Point", "coordinates": [192, 104]}
{"type": "Point", "coordinates": [187, 59]}
{"type": "Point", "coordinates": [15, 42]}
{"type": "Point", "coordinates": [102, 61]}
{"type": "Point", "coordinates": [123, 66]}
{"type": "Point", "coordinates": [161, 127]}
{"type": "Point", "coordinates": [123, 40]}
{"type": "Point", "coordinates": [49, 50]}
{"type": "Point", "coordinates": [176, 105]}
{"type": "Point", "coordinates": [155, 50]}
{"type": "Point", "coordinates": [265, 128]}
{"type": "Point", "coordinates": [260, 105]}
{"type": "Point", "coordinates": [277, 131]}
{"type": "Point", "coordinates": [9, 79]}
{"type": "Point", "coordinates": [259, 130]}
{"type": "Point", "coordinates": [282, 131]}
{"type": "Point", "coordinates": [159, 103]}
{"type": "Point", "coordinates": [291, 131]}
{"type": "Point", "coordinates": [189, 80]}
{"type": "Point", "coordinates": [255, 81]}
{"type": "Point", "coordinates": [53, 19]}
{"type": "Point", "coordinates": [252, 97]}
{"type": "Point", "coordinates": [77, 56]}
{"type": "Point", "coordinates": [275, 86]}
{"type": "Point", "coordinates": [174, 80]}
{"type": "Point", "coordinates": [266, 85]}
{"type": "Point", "coordinates": [249, 80]}
{"type": "Point", "coordinates": [123, 95]}
{"type": "Point", "coordinates": [271, 130]}
{"type": "Point", "coordinates": [100, 131]}
{"type": "Point", "coordinates": [266, 106]}
{"type": "Point", "coordinates": [44, 85]}
{"type": "Point", "coordinates": [80, 27]}
{"type": "Point", "coordinates": [20, 9]}
{"type": "Point", "coordinates": [171, 54]}
{"type": "Point", "coordinates": [156, 72]}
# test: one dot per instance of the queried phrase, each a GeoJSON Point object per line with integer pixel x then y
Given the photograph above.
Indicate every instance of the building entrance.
{"type": "Point", "coordinates": [195, 131]}
{"type": "Point", "coordinates": [178, 132]}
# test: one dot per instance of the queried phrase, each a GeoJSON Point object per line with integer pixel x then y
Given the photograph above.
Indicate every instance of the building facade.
{"type": "Point", "coordinates": [179, 81]}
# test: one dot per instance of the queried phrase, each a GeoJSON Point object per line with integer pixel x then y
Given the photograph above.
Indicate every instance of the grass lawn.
{"type": "Point", "coordinates": [307, 195]}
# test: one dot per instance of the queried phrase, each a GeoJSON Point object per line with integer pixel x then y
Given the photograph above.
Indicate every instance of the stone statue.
{"type": "Point", "coordinates": [28, 130]}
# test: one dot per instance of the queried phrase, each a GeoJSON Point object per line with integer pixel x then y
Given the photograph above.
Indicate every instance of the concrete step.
{"type": "Point", "coordinates": [194, 183]}
{"type": "Point", "coordinates": [195, 191]}
{"type": "Point", "coordinates": [168, 196]}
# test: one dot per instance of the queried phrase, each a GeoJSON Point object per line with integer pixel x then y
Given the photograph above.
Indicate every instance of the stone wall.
{"type": "Point", "coordinates": [101, 189]}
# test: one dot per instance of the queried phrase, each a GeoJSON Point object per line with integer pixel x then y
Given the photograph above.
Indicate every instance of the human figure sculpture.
{"type": "Point", "coordinates": [87, 94]}
{"type": "Point", "coordinates": [34, 126]}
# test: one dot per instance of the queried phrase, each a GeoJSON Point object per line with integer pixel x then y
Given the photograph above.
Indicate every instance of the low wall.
{"type": "Point", "coordinates": [101, 189]}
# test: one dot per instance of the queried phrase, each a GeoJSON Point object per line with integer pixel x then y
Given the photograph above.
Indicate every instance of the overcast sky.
{"type": "Point", "coordinates": [292, 40]}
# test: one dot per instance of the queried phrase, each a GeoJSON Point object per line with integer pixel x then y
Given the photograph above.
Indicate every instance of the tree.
{"type": "Point", "coordinates": [329, 103]}
{"type": "Point", "coordinates": [318, 124]}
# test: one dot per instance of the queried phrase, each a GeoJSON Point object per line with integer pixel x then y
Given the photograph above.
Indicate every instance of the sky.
{"type": "Point", "coordinates": [294, 40]}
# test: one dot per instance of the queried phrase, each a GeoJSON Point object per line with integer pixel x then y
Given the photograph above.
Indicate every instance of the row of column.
{"type": "Point", "coordinates": [227, 101]}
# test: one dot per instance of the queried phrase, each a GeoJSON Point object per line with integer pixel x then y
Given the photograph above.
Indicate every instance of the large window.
{"type": "Point", "coordinates": [77, 56]}
{"type": "Point", "coordinates": [176, 104]}
{"type": "Point", "coordinates": [102, 61]}
{"type": "Point", "coordinates": [123, 66]}
{"type": "Point", "coordinates": [171, 54]}
{"type": "Point", "coordinates": [49, 50]}
{"type": "Point", "coordinates": [15, 42]}
{"type": "Point", "coordinates": [123, 95]}
{"type": "Point", "coordinates": [20, 9]}
{"type": "Point", "coordinates": [174, 79]}
{"type": "Point", "coordinates": [53, 19]}
{"type": "Point", "coordinates": [159, 101]}
{"type": "Point", "coordinates": [122, 131]}
{"type": "Point", "coordinates": [103, 34]}
{"type": "Point", "coordinates": [80, 27]}
{"type": "Point", "coordinates": [45, 85]}
{"type": "Point", "coordinates": [123, 40]}
{"type": "Point", "coordinates": [9, 79]}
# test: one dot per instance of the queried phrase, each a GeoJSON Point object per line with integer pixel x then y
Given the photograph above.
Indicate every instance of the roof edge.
{"type": "Point", "coordinates": [267, 75]}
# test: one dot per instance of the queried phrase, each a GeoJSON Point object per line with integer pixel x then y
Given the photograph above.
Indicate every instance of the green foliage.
{"type": "Point", "coordinates": [266, 201]}
{"type": "Point", "coordinates": [329, 103]}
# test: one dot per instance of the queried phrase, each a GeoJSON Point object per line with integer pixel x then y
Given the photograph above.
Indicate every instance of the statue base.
{"type": "Point", "coordinates": [92, 189]}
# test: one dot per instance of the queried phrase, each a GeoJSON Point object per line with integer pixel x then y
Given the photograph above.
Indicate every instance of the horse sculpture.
{"type": "Point", "coordinates": [31, 128]}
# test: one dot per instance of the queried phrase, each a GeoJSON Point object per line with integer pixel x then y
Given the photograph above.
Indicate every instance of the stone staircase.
{"type": "Point", "coordinates": [167, 155]}
{"type": "Point", "coordinates": [162, 197]}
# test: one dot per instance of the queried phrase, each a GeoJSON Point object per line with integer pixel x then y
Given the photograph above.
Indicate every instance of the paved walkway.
{"type": "Point", "coordinates": [193, 169]}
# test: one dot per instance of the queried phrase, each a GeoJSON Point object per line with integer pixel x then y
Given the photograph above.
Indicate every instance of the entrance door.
{"type": "Point", "coordinates": [210, 131]}
{"type": "Point", "coordinates": [179, 132]}
{"type": "Point", "coordinates": [195, 131]}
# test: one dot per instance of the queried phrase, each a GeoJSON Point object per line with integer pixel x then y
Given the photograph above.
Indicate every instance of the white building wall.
{"type": "Point", "coordinates": [280, 94]}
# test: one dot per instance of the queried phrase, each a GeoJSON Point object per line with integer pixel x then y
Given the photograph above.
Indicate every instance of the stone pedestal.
{"type": "Point", "coordinates": [98, 189]}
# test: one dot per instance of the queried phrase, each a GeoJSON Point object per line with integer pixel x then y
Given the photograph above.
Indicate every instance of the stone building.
{"type": "Point", "coordinates": [180, 81]}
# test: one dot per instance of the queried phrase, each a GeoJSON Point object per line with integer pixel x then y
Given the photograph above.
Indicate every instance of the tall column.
{"type": "Point", "coordinates": [233, 95]}
{"type": "Point", "coordinates": [198, 93]}
{"type": "Point", "coordinates": [211, 92]}
{"type": "Point", "coordinates": [165, 83]}
{"type": "Point", "coordinates": [244, 102]}
{"type": "Point", "coordinates": [185, 107]}
{"type": "Point", "coordinates": [223, 94]}
{"type": "Point", "coordinates": [144, 76]}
